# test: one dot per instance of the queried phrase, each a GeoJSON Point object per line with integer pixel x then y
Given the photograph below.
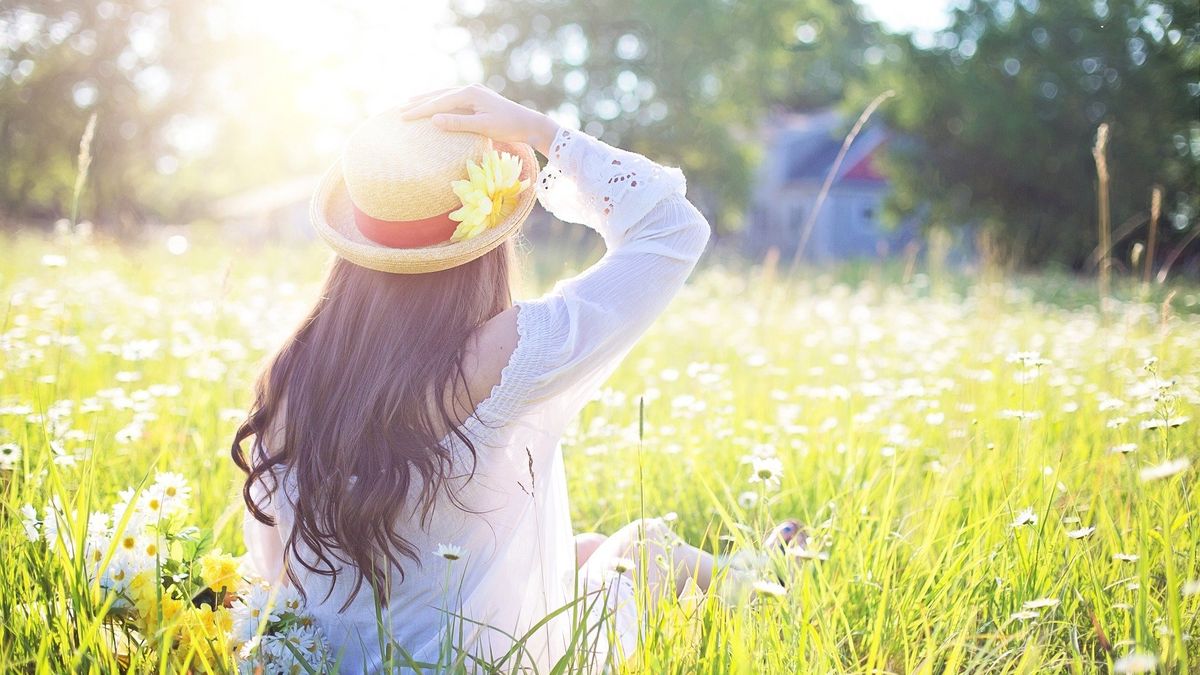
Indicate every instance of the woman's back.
{"type": "Point", "coordinates": [503, 500]}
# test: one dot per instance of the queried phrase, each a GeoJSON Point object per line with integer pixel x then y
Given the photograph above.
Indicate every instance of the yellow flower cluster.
{"type": "Point", "coordinates": [221, 572]}
{"type": "Point", "coordinates": [488, 195]}
{"type": "Point", "coordinates": [197, 634]}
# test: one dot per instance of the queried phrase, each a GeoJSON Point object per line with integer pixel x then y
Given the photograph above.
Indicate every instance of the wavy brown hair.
{"type": "Point", "coordinates": [366, 387]}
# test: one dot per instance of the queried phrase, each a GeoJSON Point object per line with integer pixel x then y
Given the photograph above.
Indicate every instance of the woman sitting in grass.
{"type": "Point", "coordinates": [405, 473]}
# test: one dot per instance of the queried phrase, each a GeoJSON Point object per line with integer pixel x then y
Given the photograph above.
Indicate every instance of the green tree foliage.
{"type": "Point", "coordinates": [131, 63]}
{"type": "Point", "coordinates": [188, 109]}
{"type": "Point", "coordinates": [1001, 114]}
{"type": "Point", "coordinates": [687, 81]}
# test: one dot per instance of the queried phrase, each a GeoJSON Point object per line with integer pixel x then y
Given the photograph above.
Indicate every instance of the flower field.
{"type": "Point", "coordinates": [994, 477]}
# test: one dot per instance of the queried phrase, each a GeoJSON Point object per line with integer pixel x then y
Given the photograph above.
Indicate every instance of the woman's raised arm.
{"type": "Point", "coordinates": [570, 339]}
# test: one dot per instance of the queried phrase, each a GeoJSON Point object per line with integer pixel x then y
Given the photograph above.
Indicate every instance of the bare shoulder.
{"type": "Point", "coordinates": [485, 355]}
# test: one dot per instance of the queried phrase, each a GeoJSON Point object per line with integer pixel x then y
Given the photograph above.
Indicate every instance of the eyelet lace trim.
{"type": "Point", "coordinates": [588, 181]}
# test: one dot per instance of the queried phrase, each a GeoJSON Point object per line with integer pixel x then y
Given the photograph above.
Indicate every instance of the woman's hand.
{"type": "Point", "coordinates": [480, 110]}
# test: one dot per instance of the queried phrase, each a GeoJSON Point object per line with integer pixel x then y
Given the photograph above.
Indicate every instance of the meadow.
{"type": "Point", "coordinates": [996, 477]}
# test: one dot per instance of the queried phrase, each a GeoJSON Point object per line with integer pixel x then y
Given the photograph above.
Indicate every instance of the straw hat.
{"type": "Point", "coordinates": [385, 204]}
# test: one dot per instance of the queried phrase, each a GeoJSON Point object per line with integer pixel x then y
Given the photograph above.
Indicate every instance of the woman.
{"type": "Point", "coordinates": [405, 461]}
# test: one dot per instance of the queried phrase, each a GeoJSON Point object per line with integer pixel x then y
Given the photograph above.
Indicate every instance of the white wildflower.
{"type": "Point", "coordinates": [766, 470]}
{"type": "Point", "coordinates": [1126, 557]}
{"type": "Point", "coordinates": [1020, 414]}
{"type": "Point", "coordinates": [1081, 533]}
{"type": "Point", "coordinates": [1168, 422]}
{"type": "Point", "coordinates": [1136, 663]}
{"type": "Point", "coordinates": [1124, 448]}
{"type": "Point", "coordinates": [288, 599]}
{"type": "Point", "coordinates": [252, 610]}
{"type": "Point", "coordinates": [1165, 470]}
{"type": "Point", "coordinates": [173, 490]}
{"type": "Point", "coordinates": [805, 553]}
{"type": "Point", "coordinates": [10, 456]}
{"type": "Point", "coordinates": [29, 519]}
{"type": "Point", "coordinates": [1040, 603]}
{"type": "Point", "coordinates": [118, 574]}
{"type": "Point", "coordinates": [769, 588]}
{"type": "Point", "coordinates": [1025, 517]}
{"type": "Point", "coordinates": [450, 552]}
{"type": "Point", "coordinates": [1027, 359]}
{"type": "Point", "coordinates": [622, 565]}
{"type": "Point", "coordinates": [54, 519]}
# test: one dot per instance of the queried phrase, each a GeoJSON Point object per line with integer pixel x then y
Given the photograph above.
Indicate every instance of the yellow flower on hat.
{"type": "Point", "coordinates": [488, 195]}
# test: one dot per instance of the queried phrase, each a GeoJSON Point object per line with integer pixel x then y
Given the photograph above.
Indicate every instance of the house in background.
{"type": "Point", "coordinates": [800, 150]}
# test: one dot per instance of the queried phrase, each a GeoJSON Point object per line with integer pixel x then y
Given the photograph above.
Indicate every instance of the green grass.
{"type": "Point", "coordinates": [911, 437]}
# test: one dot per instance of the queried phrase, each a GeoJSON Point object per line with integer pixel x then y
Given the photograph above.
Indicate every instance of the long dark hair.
{"type": "Point", "coordinates": [366, 387]}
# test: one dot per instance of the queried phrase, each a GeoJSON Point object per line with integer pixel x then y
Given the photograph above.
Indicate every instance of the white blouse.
{"type": "Point", "coordinates": [519, 562]}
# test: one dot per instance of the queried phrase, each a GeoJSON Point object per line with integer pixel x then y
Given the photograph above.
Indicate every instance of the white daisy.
{"type": "Point", "coordinates": [1160, 423]}
{"type": "Point", "coordinates": [10, 456]}
{"type": "Point", "coordinates": [450, 552]}
{"type": "Point", "coordinates": [118, 574]}
{"type": "Point", "coordinates": [766, 470]}
{"type": "Point", "coordinates": [250, 610]}
{"type": "Point", "coordinates": [1164, 470]}
{"type": "Point", "coordinates": [621, 565]}
{"type": "Point", "coordinates": [29, 519]}
{"type": "Point", "coordinates": [1125, 557]}
{"type": "Point", "coordinates": [805, 553]}
{"type": "Point", "coordinates": [173, 490]}
{"type": "Point", "coordinates": [769, 588]}
{"type": "Point", "coordinates": [54, 518]}
{"type": "Point", "coordinates": [288, 599]}
{"type": "Point", "coordinates": [1025, 615]}
{"type": "Point", "coordinates": [748, 499]}
{"type": "Point", "coordinates": [1136, 663]}
{"type": "Point", "coordinates": [1025, 517]}
{"type": "Point", "coordinates": [1081, 533]}
{"type": "Point", "coordinates": [1040, 603]}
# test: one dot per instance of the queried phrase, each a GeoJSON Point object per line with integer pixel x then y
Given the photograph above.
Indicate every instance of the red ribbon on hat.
{"type": "Point", "coordinates": [406, 233]}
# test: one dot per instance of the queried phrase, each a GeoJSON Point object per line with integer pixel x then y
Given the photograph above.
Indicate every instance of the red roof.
{"type": "Point", "coordinates": [866, 168]}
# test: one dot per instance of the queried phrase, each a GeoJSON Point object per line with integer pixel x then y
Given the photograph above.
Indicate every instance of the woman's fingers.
{"type": "Point", "coordinates": [473, 123]}
{"type": "Point", "coordinates": [459, 98]}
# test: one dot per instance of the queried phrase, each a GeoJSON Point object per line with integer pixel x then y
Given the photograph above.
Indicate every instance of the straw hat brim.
{"type": "Point", "coordinates": [332, 215]}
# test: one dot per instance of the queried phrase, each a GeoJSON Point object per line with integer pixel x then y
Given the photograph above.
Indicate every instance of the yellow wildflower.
{"type": "Point", "coordinates": [202, 636]}
{"type": "Point", "coordinates": [220, 571]}
{"type": "Point", "coordinates": [157, 607]}
{"type": "Point", "coordinates": [488, 195]}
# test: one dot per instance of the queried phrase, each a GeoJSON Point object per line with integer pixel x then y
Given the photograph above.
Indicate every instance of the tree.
{"type": "Point", "coordinates": [998, 119]}
{"type": "Point", "coordinates": [684, 81]}
{"type": "Point", "coordinates": [188, 109]}
{"type": "Point", "coordinates": [66, 60]}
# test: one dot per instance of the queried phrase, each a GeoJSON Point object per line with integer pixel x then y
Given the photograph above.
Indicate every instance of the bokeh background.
{"type": "Point", "coordinates": [222, 113]}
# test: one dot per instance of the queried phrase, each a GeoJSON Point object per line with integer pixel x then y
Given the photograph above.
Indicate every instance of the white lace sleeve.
{"type": "Point", "coordinates": [573, 337]}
